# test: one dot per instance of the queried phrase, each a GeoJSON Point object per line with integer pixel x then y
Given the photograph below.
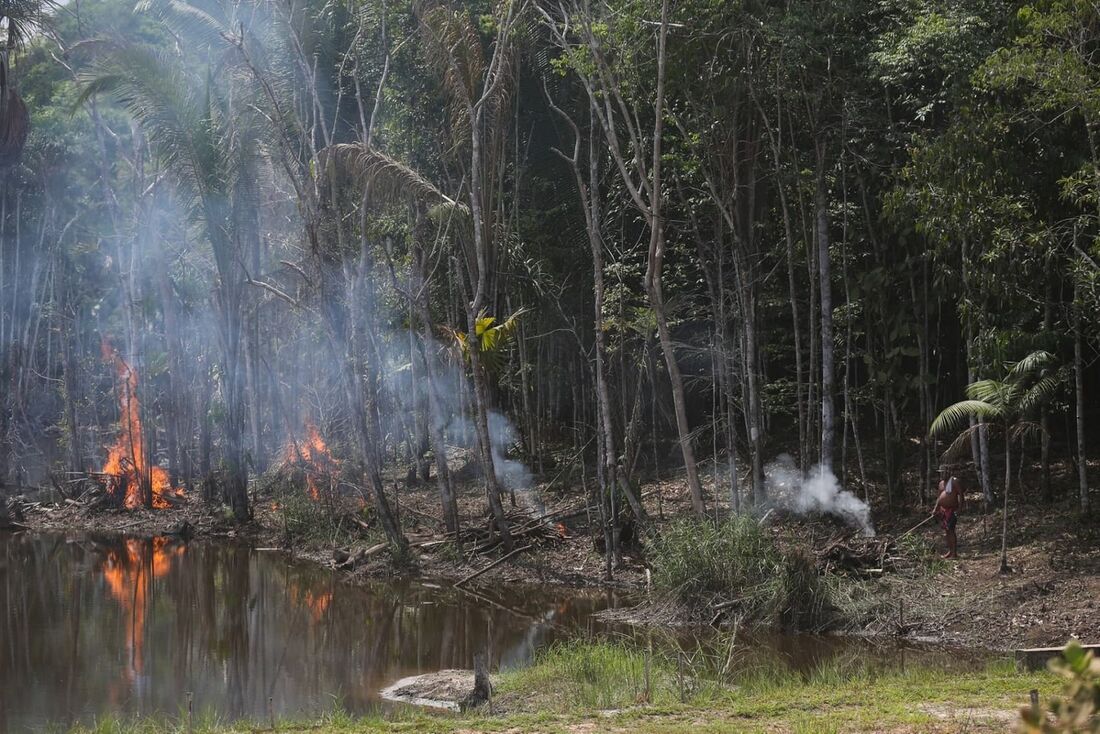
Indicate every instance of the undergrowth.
{"type": "Point", "coordinates": [607, 675]}
{"type": "Point", "coordinates": [737, 564]}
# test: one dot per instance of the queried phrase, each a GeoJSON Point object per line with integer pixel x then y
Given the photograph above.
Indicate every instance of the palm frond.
{"type": "Point", "coordinates": [454, 49]}
{"type": "Point", "coordinates": [1031, 365]}
{"type": "Point", "coordinates": [390, 180]}
{"type": "Point", "coordinates": [203, 28]}
{"type": "Point", "coordinates": [155, 90]}
{"type": "Point", "coordinates": [993, 392]}
{"type": "Point", "coordinates": [955, 415]}
{"type": "Point", "coordinates": [494, 338]}
{"type": "Point", "coordinates": [23, 17]}
{"type": "Point", "coordinates": [1038, 394]}
{"type": "Point", "coordinates": [961, 444]}
{"type": "Point", "coordinates": [491, 338]}
{"type": "Point", "coordinates": [1025, 429]}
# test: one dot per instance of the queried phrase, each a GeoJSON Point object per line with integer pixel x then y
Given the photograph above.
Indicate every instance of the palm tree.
{"type": "Point", "coordinates": [17, 19]}
{"type": "Point", "coordinates": [210, 143]}
{"type": "Point", "coordinates": [492, 339]}
{"type": "Point", "coordinates": [1005, 405]}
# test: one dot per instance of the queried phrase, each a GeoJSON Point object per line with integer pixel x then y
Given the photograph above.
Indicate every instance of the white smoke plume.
{"type": "Point", "coordinates": [815, 492]}
{"type": "Point", "coordinates": [503, 436]}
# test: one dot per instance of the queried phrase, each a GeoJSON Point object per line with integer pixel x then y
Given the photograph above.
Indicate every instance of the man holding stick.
{"type": "Point", "coordinates": [949, 503]}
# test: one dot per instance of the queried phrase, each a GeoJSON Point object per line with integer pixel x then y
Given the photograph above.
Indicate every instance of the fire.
{"type": "Point", "coordinates": [126, 461]}
{"type": "Point", "coordinates": [313, 454]}
{"type": "Point", "coordinates": [129, 573]}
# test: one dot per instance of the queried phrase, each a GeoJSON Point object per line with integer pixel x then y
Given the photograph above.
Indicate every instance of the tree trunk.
{"type": "Point", "coordinates": [654, 275]}
{"type": "Point", "coordinates": [1079, 390]}
{"type": "Point", "coordinates": [1004, 517]}
{"type": "Point", "coordinates": [827, 358]}
{"type": "Point", "coordinates": [436, 420]}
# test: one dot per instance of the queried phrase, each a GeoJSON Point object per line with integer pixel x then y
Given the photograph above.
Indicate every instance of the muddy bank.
{"type": "Point", "coordinates": [1051, 596]}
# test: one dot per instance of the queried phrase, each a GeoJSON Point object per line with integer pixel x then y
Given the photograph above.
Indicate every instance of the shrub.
{"type": "Point", "coordinates": [736, 563]}
{"type": "Point", "coordinates": [1079, 708]}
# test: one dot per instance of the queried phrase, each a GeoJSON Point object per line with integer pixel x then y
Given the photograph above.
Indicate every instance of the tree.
{"type": "Point", "coordinates": [1007, 404]}
{"type": "Point", "coordinates": [17, 20]}
{"type": "Point", "coordinates": [593, 57]}
{"type": "Point", "coordinates": [208, 139]}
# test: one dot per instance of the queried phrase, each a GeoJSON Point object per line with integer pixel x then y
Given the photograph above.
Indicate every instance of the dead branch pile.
{"type": "Point", "coordinates": [853, 555]}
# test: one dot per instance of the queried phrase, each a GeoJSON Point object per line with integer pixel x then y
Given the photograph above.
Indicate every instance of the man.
{"type": "Point", "coordinates": [948, 505]}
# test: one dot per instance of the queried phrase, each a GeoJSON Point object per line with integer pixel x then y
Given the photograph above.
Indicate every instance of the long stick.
{"type": "Point", "coordinates": [915, 526]}
{"type": "Point", "coordinates": [495, 563]}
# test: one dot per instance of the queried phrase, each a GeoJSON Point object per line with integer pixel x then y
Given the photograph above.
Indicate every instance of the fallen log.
{"type": "Point", "coordinates": [361, 555]}
{"type": "Point", "coordinates": [492, 565]}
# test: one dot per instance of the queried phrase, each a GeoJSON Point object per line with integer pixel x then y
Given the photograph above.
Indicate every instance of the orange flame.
{"type": "Point", "coordinates": [129, 575]}
{"type": "Point", "coordinates": [319, 463]}
{"type": "Point", "coordinates": [126, 459]}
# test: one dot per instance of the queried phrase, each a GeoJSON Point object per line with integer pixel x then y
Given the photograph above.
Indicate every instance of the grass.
{"type": "Point", "coordinates": [599, 686]}
{"type": "Point", "coordinates": [700, 563]}
{"type": "Point", "coordinates": [602, 675]}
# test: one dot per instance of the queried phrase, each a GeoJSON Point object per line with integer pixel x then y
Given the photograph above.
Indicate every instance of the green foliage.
{"type": "Point", "coordinates": [697, 563]}
{"type": "Point", "coordinates": [603, 675]}
{"type": "Point", "coordinates": [923, 554]}
{"type": "Point", "coordinates": [492, 339]}
{"type": "Point", "coordinates": [1077, 710]}
{"type": "Point", "coordinates": [302, 518]}
{"type": "Point", "coordinates": [1028, 385]}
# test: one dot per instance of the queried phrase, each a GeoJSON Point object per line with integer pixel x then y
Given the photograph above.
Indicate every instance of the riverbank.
{"type": "Point", "coordinates": [1051, 596]}
{"type": "Point", "coordinates": [580, 688]}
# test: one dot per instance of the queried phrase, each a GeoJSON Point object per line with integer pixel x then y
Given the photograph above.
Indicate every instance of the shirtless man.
{"type": "Point", "coordinates": [948, 505]}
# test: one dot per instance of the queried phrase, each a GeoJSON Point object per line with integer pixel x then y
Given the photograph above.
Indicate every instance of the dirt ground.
{"type": "Point", "coordinates": [1051, 595]}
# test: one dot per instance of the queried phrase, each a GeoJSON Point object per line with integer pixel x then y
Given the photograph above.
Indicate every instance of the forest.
{"type": "Point", "coordinates": [686, 237]}
{"type": "Point", "coordinates": [683, 298]}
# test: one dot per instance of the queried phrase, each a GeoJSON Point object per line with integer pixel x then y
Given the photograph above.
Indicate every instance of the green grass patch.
{"type": "Point", "coordinates": [601, 675]}
{"type": "Point", "coordinates": [699, 563]}
{"type": "Point", "coordinates": [600, 686]}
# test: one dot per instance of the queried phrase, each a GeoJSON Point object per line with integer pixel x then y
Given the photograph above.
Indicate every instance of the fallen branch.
{"type": "Point", "coordinates": [492, 565]}
{"type": "Point", "coordinates": [362, 554]}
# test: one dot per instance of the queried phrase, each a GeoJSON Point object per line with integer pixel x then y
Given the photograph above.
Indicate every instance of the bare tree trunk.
{"type": "Point", "coordinates": [1079, 390]}
{"type": "Point", "coordinates": [1044, 417]}
{"type": "Point", "coordinates": [76, 453]}
{"type": "Point", "coordinates": [1004, 516]}
{"type": "Point", "coordinates": [653, 278]}
{"type": "Point", "coordinates": [828, 428]}
{"type": "Point", "coordinates": [436, 420]}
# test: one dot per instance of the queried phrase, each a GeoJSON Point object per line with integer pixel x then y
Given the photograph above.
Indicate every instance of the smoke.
{"type": "Point", "coordinates": [503, 437]}
{"type": "Point", "coordinates": [815, 492]}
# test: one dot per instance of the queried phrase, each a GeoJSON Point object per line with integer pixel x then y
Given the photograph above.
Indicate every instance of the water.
{"type": "Point", "coordinates": [91, 626]}
{"type": "Point", "coordinates": [94, 626]}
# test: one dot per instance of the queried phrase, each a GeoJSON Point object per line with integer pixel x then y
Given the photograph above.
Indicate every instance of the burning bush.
{"type": "Point", "coordinates": [312, 458]}
{"type": "Point", "coordinates": [132, 478]}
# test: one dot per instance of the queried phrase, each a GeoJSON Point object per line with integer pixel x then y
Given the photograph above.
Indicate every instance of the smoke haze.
{"type": "Point", "coordinates": [815, 492]}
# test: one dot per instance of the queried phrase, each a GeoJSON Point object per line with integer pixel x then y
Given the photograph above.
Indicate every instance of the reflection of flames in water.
{"type": "Point", "coordinates": [313, 455]}
{"type": "Point", "coordinates": [316, 602]}
{"type": "Point", "coordinates": [129, 574]}
{"type": "Point", "coordinates": [127, 463]}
